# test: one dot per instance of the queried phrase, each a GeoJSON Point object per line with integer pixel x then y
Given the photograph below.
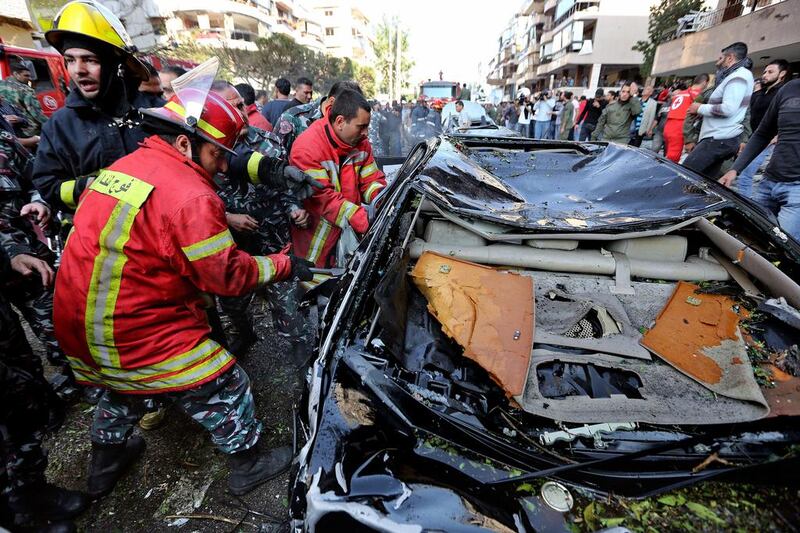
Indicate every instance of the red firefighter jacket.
{"type": "Point", "coordinates": [150, 236]}
{"type": "Point", "coordinates": [350, 177]}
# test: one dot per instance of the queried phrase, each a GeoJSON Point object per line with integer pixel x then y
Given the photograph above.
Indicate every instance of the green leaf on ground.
{"type": "Point", "coordinates": [705, 513]}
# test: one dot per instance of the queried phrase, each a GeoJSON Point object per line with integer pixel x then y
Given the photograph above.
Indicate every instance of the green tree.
{"type": "Point", "coordinates": [661, 27]}
{"type": "Point", "coordinates": [384, 48]}
{"type": "Point", "coordinates": [276, 56]}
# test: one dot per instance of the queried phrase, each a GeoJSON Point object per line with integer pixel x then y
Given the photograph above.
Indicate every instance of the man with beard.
{"type": "Point", "coordinates": [724, 113]}
{"type": "Point", "coordinates": [97, 124]}
{"type": "Point", "coordinates": [615, 120]}
{"type": "Point", "coordinates": [771, 81]}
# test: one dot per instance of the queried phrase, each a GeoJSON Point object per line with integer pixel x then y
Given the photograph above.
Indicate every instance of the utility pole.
{"type": "Point", "coordinates": [390, 88]}
{"type": "Point", "coordinates": [398, 53]}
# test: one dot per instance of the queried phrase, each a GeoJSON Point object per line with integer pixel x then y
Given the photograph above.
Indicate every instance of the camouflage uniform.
{"type": "Point", "coordinates": [17, 236]}
{"type": "Point", "coordinates": [24, 99]}
{"type": "Point", "coordinates": [271, 209]}
{"type": "Point", "coordinates": [24, 396]}
{"type": "Point", "coordinates": [223, 406]}
{"type": "Point", "coordinates": [296, 120]}
{"type": "Point", "coordinates": [374, 134]}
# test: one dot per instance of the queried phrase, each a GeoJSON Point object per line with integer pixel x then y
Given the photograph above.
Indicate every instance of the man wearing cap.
{"type": "Point", "coordinates": [16, 91]}
{"type": "Point", "coordinates": [150, 237]}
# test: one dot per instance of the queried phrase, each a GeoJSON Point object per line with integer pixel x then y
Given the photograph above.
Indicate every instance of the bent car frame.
{"type": "Point", "coordinates": [527, 320]}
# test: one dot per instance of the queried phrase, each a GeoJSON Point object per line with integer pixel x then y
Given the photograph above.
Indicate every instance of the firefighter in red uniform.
{"type": "Point", "coordinates": [335, 151]}
{"type": "Point", "coordinates": [673, 129]}
{"type": "Point", "coordinates": [150, 237]}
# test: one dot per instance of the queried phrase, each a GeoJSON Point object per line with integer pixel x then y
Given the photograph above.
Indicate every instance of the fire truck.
{"type": "Point", "coordinates": [438, 93]}
{"type": "Point", "coordinates": [47, 72]}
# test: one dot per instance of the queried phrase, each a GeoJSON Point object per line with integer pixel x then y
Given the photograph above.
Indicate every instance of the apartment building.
{"type": "Point", "coordinates": [346, 30]}
{"type": "Point", "coordinates": [769, 27]}
{"type": "Point", "coordinates": [16, 24]}
{"type": "Point", "coordinates": [581, 45]}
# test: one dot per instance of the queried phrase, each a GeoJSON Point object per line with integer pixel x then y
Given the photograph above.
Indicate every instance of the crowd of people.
{"type": "Point", "coordinates": [729, 129]}
{"type": "Point", "coordinates": [165, 204]}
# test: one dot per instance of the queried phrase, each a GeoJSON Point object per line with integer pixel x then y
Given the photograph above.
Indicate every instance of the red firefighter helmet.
{"type": "Point", "coordinates": [195, 110]}
{"type": "Point", "coordinates": [219, 122]}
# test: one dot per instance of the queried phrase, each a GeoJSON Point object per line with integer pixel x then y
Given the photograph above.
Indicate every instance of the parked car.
{"type": "Point", "coordinates": [528, 323]}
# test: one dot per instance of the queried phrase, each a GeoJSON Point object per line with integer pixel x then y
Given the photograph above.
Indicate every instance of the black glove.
{"type": "Point", "coordinates": [301, 268]}
{"type": "Point", "coordinates": [300, 183]}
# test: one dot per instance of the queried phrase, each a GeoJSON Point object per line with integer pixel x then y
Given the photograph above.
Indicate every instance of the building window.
{"type": "Point", "coordinates": [329, 32]}
{"type": "Point", "coordinates": [328, 12]}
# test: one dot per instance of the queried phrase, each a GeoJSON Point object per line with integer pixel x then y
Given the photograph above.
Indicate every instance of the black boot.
{"type": "Point", "coordinates": [92, 395]}
{"type": "Point", "coordinates": [43, 501]}
{"type": "Point", "coordinates": [109, 462]}
{"type": "Point", "coordinates": [243, 337]}
{"type": "Point", "coordinates": [250, 468]}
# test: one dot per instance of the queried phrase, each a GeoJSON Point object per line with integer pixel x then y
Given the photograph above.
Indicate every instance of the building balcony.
{"type": "Point", "coordinates": [550, 6]}
{"type": "Point", "coordinates": [222, 7]}
{"type": "Point", "coordinates": [770, 32]}
{"type": "Point", "coordinates": [529, 7]}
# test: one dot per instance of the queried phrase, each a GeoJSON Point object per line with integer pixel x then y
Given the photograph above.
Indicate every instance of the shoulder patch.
{"type": "Point", "coordinates": [123, 187]}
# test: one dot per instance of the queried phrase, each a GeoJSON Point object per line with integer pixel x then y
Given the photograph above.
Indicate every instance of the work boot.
{"type": "Point", "coordinates": [153, 419]}
{"type": "Point", "coordinates": [243, 338]}
{"type": "Point", "coordinates": [250, 468]}
{"type": "Point", "coordinates": [92, 395]}
{"type": "Point", "coordinates": [109, 462]}
{"type": "Point", "coordinates": [43, 501]}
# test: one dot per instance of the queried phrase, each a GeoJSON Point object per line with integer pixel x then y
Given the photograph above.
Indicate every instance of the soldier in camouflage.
{"type": "Point", "coordinates": [374, 134]}
{"type": "Point", "coordinates": [297, 119]}
{"type": "Point", "coordinates": [19, 203]}
{"type": "Point", "coordinates": [25, 397]}
{"type": "Point", "coordinates": [259, 218]}
{"type": "Point", "coordinates": [16, 91]}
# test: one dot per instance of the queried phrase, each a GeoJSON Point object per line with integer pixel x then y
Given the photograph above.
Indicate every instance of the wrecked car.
{"type": "Point", "coordinates": [528, 321]}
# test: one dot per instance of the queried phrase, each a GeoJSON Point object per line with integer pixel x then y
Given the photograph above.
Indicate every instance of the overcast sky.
{"type": "Point", "coordinates": [449, 35]}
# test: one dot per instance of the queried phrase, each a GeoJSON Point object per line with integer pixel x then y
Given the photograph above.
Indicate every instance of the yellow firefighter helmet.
{"type": "Point", "coordinates": [84, 18]}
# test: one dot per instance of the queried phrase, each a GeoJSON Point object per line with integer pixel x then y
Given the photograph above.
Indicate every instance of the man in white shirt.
{"type": "Point", "coordinates": [542, 114]}
{"type": "Point", "coordinates": [724, 113]}
{"type": "Point", "coordinates": [463, 117]}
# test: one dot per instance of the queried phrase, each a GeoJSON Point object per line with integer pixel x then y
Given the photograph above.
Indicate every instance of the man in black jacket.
{"type": "Point", "coordinates": [779, 191]}
{"type": "Point", "coordinates": [766, 88]}
{"type": "Point", "coordinates": [591, 114]}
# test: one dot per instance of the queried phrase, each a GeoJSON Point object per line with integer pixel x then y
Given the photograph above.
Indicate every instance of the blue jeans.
{"type": "Point", "coordinates": [744, 183]}
{"type": "Point", "coordinates": [522, 129]}
{"type": "Point", "coordinates": [541, 129]}
{"type": "Point", "coordinates": [783, 199]}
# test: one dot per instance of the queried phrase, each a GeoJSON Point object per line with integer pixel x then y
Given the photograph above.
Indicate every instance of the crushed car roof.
{"type": "Point", "coordinates": [571, 186]}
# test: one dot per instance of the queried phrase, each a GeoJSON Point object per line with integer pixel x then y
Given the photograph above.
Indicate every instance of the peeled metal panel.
{"type": "Point", "coordinates": [699, 335]}
{"type": "Point", "coordinates": [488, 312]}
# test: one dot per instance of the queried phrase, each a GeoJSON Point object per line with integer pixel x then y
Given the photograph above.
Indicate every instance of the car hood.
{"type": "Point", "coordinates": [564, 186]}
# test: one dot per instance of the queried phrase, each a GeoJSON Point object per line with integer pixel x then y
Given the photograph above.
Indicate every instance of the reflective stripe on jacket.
{"type": "Point", "coordinates": [150, 237]}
